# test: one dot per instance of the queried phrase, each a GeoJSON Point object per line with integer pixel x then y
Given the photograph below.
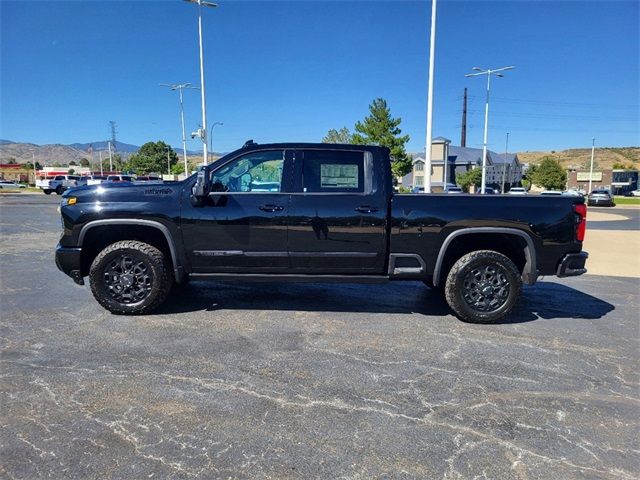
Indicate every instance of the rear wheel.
{"type": "Point", "coordinates": [59, 190]}
{"type": "Point", "coordinates": [47, 192]}
{"type": "Point", "coordinates": [483, 286]}
{"type": "Point", "coordinates": [130, 277]}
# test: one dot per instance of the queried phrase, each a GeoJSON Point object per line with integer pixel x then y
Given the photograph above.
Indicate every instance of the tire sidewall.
{"type": "Point", "coordinates": [101, 291]}
{"type": "Point", "coordinates": [455, 286]}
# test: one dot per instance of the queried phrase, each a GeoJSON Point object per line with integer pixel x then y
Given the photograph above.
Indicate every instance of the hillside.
{"type": "Point", "coordinates": [580, 157]}
{"type": "Point", "coordinates": [63, 154]}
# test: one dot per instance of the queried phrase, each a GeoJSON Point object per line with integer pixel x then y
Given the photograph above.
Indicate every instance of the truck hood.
{"type": "Point", "coordinates": [124, 192]}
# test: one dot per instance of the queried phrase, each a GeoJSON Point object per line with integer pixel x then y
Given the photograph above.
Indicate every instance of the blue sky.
{"type": "Point", "coordinates": [289, 71]}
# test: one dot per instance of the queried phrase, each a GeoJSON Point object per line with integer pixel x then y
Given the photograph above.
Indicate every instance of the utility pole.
{"type": "Point", "coordinates": [593, 150]}
{"type": "Point", "coordinates": [463, 136]}
{"type": "Point", "coordinates": [504, 165]}
{"type": "Point", "coordinates": [168, 160]}
{"type": "Point", "coordinates": [33, 156]}
{"type": "Point", "coordinates": [488, 73]}
{"type": "Point", "coordinates": [432, 55]}
{"type": "Point", "coordinates": [101, 169]}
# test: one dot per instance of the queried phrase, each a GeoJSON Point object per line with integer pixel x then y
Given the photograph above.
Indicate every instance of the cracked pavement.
{"type": "Point", "coordinates": [309, 380]}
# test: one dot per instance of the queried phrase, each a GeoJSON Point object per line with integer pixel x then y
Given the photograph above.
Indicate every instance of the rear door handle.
{"type": "Point", "coordinates": [366, 209]}
{"type": "Point", "coordinates": [271, 208]}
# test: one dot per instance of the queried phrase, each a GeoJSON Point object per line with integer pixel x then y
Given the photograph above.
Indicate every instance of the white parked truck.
{"type": "Point", "coordinates": [59, 183]}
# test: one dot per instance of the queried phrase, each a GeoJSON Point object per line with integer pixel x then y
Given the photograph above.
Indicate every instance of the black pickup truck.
{"type": "Point", "coordinates": [313, 212]}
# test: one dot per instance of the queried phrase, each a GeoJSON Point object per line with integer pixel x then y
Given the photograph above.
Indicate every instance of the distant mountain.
{"type": "Point", "coordinates": [97, 146]}
{"type": "Point", "coordinates": [63, 154]}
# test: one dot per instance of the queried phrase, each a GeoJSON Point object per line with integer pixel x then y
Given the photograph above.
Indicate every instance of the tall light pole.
{"type": "Point", "coordinates": [203, 130]}
{"type": "Point", "coordinates": [432, 58]}
{"type": "Point", "coordinates": [211, 136]}
{"type": "Point", "coordinates": [488, 73]}
{"type": "Point", "coordinates": [110, 158]}
{"type": "Point", "coordinates": [593, 149]}
{"type": "Point", "coordinates": [180, 87]}
{"type": "Point", "coordinates": [504, 165]}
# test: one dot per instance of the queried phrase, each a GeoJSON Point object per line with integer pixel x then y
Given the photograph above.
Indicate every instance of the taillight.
{"type": "Point", "coordinates": [581, 221]}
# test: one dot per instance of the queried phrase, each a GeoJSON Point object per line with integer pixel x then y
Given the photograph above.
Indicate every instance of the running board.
{"type": "Point", "coordinates": [286, 277]}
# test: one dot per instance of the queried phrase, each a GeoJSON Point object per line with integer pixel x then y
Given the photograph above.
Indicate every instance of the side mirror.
{"type": "Point", "coordinates": [202, 186]}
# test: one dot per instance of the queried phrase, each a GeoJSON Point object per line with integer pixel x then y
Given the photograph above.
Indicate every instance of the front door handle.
{"type": "Point", "coordinates": [366, 209]}
{"type": "Point", "coordinates": [271, 208]}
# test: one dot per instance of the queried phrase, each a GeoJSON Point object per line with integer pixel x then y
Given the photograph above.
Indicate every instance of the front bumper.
{"type": "Point", "coordinates": [572, 265]}
{"type": "Point", "coordinates": [68, 260]}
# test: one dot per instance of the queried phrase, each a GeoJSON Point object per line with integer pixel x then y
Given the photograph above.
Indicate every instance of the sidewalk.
{"type": "Point", "coordinates": [613, 252]}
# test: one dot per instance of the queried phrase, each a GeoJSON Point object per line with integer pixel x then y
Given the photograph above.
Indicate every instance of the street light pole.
{"type": "Point", "coordinates": [488, 73]}
{"type": "Point", "coordinates": [504, 165]}
{"type": "Point", "coordinates": [203, 131]}
{"type": "Point", "coordinates": [110, 158]}
{"type": "Point", "coordinates": [180, 87]}
{"type": "Point", "coordinates": [432, 55]}
{"type": "Point", "coordinates": [593, 148]}
{"type": "Point", "coordinates": [211, 136]}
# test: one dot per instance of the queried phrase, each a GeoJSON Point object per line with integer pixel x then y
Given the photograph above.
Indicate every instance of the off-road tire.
{"type": "Point", "coordinates": [59, 190]}
{"type": "Point", "coordinates": [47, 192]}
{"type": "Point", "coordinates": [155, 262]}
{"type": "Point", "coordinates": [466, 268]}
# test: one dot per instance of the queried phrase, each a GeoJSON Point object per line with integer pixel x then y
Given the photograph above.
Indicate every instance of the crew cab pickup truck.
{"type": "Point", "coordinates": [319, 213]}
{"type": "Point", "coordinates": [59, 183]}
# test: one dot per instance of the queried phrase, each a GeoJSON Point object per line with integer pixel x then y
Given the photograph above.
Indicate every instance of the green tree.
{"type": "Point", "coordinates": [338, 136]}
{"type": "Point", "coordinates": [379, 128]}
{"type": "Point", "coordinates": [549, 175]}
{"type": "Point", "coordinates": [152, 158]}
{"type": "Point", "coordinates": [622, 166]}
{"type": "Point", "coordinates": [84, 162]}
{"type": "Point", "coordinates": [177, 168]}
{"type": "Point", "coordinates": [12, 161]}
{"type": "Point", "coordinates": [71, 171]}
{"type": "Point", "coordinates": [56, 164]}
{"type": "Point", "coordinates": [526, 184]}
{"type": "Point", "coordinates": [468, 178]}
{"type": "Point", "coordinates": [73, 163]}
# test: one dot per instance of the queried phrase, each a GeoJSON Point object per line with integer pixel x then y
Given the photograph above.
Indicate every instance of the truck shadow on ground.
{"type": "Point", "coordinates": [546, 300]}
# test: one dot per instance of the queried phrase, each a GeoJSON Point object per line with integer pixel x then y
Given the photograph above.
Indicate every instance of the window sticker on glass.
{"type": "Point", "coordinates": [338, 175]}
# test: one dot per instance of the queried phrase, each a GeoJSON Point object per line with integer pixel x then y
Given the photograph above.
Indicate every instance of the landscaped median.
{"type": "Point", "coordinates": [626, 200]}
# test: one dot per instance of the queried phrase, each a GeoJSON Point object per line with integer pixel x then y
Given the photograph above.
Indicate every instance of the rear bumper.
{"type": "Point", "coordinates": [572, 265]}
{"type": "Point", "coordinates": [68, 261]}
{"type": "Point", "coordinates": [600, 202]}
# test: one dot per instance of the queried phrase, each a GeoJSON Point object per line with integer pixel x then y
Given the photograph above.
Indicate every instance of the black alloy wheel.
{"type": "Point", "coordinates": [483, 286]}
{"type": "Point", "coordinates": [130, 277]}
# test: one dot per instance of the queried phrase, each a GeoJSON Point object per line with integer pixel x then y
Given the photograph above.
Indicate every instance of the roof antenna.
{"type": "Point", "coordinates": [249, 143]}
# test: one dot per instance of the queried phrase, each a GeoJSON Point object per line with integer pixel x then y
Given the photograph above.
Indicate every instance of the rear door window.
{"type": "Point", "coordinates": [333, 171]}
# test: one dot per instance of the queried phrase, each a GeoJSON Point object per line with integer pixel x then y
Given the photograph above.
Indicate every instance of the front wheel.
{"type": "Point", "coordinates": [483, 286]}
{"type": "Point", "coordinates": [130, 277]}
{"type": "Point", "coordinates": [59, 190]}
{"type": "Point", "coordinates": [47, 192]}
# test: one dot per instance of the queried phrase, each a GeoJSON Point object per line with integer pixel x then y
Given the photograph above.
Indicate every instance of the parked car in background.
{"type": "Point", "coordinates": [517, 191]}
{"type": "Point", "coordinates": [454, 190]}
{"type": "Point", "coordinates": [549, 193]}
{"type": "Point", "coordinates": [148, 179]}
{"type": "Point", "coordinates": [6, 184]}
{"type": "Point", "coordinates": [633, 193]}
{"type": "Point", "coordinates": [600, 198]}
{"type": "Point", "coordinates": [60, 183]}
{"type": "Point", "coordinates": [119, 178]}
{"type": "Point", "coordinates": [572, 193]}
{"type": "Point", "coordinates": [487, 191]}
{"type": "Point", "coordinates": [96, 179]}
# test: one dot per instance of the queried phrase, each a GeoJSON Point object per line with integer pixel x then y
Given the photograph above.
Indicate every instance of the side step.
{"type": "Point", "coordinates": [286, 277]}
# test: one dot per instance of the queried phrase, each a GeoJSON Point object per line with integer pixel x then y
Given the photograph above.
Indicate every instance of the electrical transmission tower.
{"type": "Point", "coordinates": [112, 127]}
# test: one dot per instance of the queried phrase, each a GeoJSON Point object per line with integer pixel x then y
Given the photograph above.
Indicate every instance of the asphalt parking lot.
{"type": "Point", "coordinates": [309, 380]}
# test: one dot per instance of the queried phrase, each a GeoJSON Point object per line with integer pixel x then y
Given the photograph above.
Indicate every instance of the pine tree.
{"type": "Point", "coordinates": [379, 128]}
